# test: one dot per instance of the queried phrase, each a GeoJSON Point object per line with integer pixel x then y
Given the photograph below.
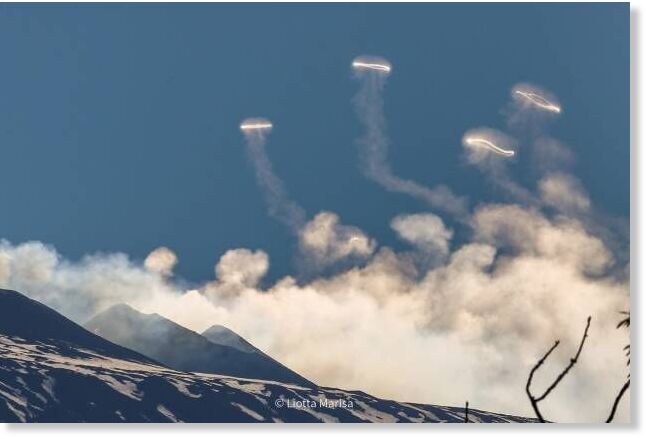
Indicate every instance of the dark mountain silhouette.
{"type": "Point", "coordinates": [31, 320]}
{"type": "Point", "coordinates": [180, 348]}
{"type": "Point", "coordinates": [52, 370]}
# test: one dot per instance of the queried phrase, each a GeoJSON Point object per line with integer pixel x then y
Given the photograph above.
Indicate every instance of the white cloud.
{"type": "Point", "coordinates": [325, 241]}
{"type": "Point", "coordinates": [526, 231]}
{"type": "Point", "coordinates": [425, 231]}
{"type": "Point", "coordinates": [162, 260]}
{"type": "Point", "coordinates": [242, 267]}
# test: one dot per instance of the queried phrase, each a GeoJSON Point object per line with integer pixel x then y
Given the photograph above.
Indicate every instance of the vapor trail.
{"type": "Point", "coordinates": [280, 205]}
{"type": "Point", "coordinates": [324, 240]}
{"type": "Point", "coordinates": [379, 66]}
{"type": "Point", "coordinates": [539, 101]}
{"type": "Point", "coordinates": [531, 96]}
{"type": "Point", "coordinates": [481, 142]}
{"type": "Point", "coordinates": [373, 146]}
{"type": "Point", "coordinates": [490, 150]}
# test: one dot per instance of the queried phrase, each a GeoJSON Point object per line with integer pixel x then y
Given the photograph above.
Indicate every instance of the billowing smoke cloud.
{"type": "Point", "coordinates": [162, 260]}
{"type": "Point", "coordinates": [238, 270]}
{"type": "Point", "coordinates": [468, 328]}
{"type": "Point", "coordinates": [325, 241]}
{"type": "Point", "coordinates": [425, 231]}
{"type": "Point", "coordinates": [373, 146]}
{"type": "Point", "coordinates": [242, 267]}
{"type": "Point", "coordinates": [558, 188]}
{"type": "Point", "coordinates": [79, 289]}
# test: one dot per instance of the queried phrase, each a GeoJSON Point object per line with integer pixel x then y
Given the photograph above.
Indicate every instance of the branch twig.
{"type": "Point", "coordinates": [617, 399]}
{"type": "Point", "coordinates": [535, 400]}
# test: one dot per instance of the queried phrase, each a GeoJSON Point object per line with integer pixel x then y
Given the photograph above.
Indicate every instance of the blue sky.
{"type": "Point", "coordinates": [119, 123]}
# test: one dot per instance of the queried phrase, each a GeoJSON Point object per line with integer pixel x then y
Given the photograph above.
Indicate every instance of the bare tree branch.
{"type": "Point", "coordinates": [535, 400]}
{"type": "Point", "coordinates": [616, 403]}
{"type": "Point", "coordinates": [531, 377]}
{"type": "Point", "coordinates": [624, 322]}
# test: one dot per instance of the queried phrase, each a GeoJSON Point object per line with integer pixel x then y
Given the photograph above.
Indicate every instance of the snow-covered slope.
{"type": "Point", "coordinates": [52, 370]}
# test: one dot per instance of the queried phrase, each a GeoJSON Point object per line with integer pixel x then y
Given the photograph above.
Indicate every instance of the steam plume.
{"type": "Point", "coordinates": [373, 146]}
{"type": "Point", "coordinates": [162, 260]}
{"type": "Point", "coordinates": [467, 328]}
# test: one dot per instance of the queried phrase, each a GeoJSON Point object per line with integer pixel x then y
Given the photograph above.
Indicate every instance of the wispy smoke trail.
{"type": "Point", "coordinates": [530, 110]}
{"type": "Point", "coordinates": [527, 113]}
{"type": "Point", "coordinates": [280, 205]}
{"type": "Point", "coordinates": [373, 146]}
{"type": "Point", "coordinates": [323, 241]}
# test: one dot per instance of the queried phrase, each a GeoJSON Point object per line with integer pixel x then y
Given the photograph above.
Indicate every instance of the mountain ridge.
{"type": "Point", "coordinates": [44, 325]}
{"type": "Point", "coordinates": [83, 378]}
{"type": "Point", "coordinates": [222, 335]}
{"type": "Point", "coordinates": [181, 348]}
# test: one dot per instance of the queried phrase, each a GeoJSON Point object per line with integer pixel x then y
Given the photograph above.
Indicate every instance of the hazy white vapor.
{"type": "Point", "coordinates": [373, 145]}
{"type": "Point", "coordinates": [162, 260]}
{"type": "Point", "coordinates": [83, 288]}
{"type": "Point", "coordinates": [279, 204]}
{"type": "Point", "coordinates": [387, 328]}
{"type": "Point", "coordinates": [550, 155]}
{"type": "Point", "coordinates": [325, 241]}
{"type": "Point", "coordinates": [242, 267]}
{"type": "Point", "coordinates": [564, 192]}
{"type": "Point", "coordinates": [425, 231]}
